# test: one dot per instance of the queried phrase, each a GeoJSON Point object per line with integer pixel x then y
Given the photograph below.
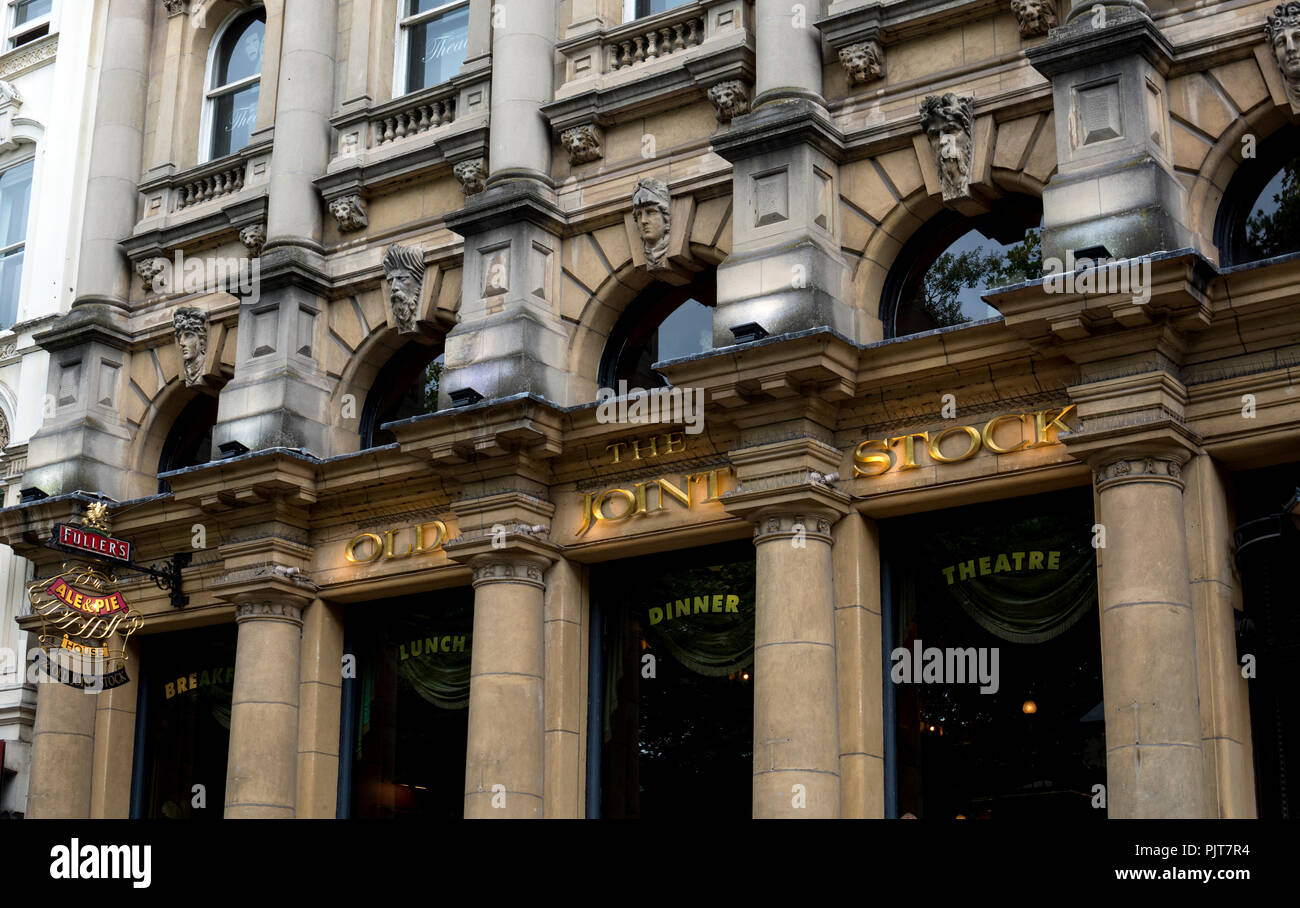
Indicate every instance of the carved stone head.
{"type": "Point", "coordinates": [949, 121]}
{"type": "Point", "coordinates": [582, 143]}
{"type": "Point", "coordinates": [350, 212]}
{"type": "Point", "coordinates": [862, 61]}
{"type": "Point", "coordinates": [254, 238]}
{"type": "Point", "coordinates": [730, 99]}
{"type": "Point", "coordinates": [651, 209]}
{"type": "Point", "coordinates": [472, 174]}
{"type": "Point", "coordinates": [1035, 17]}
{"type": "Point", "coordinates": [191, 326]}
{"type": "Point", "coordinates": [1283, 30]}
{"type": "Point", "coordinates": [404, 268]}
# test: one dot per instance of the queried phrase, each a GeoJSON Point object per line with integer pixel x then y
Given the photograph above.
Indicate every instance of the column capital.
{"type": "Point", "coordinates": [1153, 451]}
{"type": "Point", "coordinates": [1148, 468]}
{"type": "Point", "coordinates": [513, 567]}
{"type": "Point", "coordinates": [269, 610]}
{"type": "Point", "coordinates": [775, 510]}
{"type": "Point", "coordinates": [786, 524]}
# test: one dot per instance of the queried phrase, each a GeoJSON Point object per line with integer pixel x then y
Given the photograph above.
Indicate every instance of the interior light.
{"type": "Point", "coordinates": [1029, 707]}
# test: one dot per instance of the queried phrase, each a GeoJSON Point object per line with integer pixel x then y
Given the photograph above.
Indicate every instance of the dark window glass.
{"type": "Point", "coordinates": [650, 7]}
{"type": "Point", "coordinates": [407, 386]}
{"type": "Point", "coordinates": [1018, 577]}
{"type": "Point", "coordinates": [190, 441]}
{"type": "Point", "coordinates": [1273, 225]}
{"type": "Point", "coordinates": [1259, 216]}
{"type": "Point", "coordinates": [241, 50]}
{"type": "Point", "coordinates": [663, 323]}
{"type": "Point", "coordinates": [436, 47]}
{"type": "Point", "coordinates": [683, 738]}
{"type": "Point", "coordinates": [188, 679]}
{"type": "Point", "coordinates": [233, 97]}
{"type": "Point", "coordinates": [411, 706]}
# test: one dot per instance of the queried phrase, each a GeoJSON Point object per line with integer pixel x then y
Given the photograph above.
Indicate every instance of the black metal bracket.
{"type": "Point", "coordinates": [168, 577]}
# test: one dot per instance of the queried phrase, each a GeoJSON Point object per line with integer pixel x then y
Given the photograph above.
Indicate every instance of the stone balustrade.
{"type": "Point", "coordinates": [414, 117]}
{"type": "Point", "coordinates": [209, 186]}
{"type": "Point", "coordinates": [625, 51]}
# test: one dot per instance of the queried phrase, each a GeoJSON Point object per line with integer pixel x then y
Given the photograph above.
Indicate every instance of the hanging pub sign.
{"type": "Point", "coordinates": [85, 624]}
{"type": "Point", "coordinates": [85, 541]}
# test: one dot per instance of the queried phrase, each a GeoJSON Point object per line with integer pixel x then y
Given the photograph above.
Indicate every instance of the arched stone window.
{"type": "Point", "coordinates": [1259, 217]}
{"type": "Point", "coordinates": [943, 270]}
{"type": "Point", "coordinates": [406, 386]}
{"type": "Point", "coordinates": [189, 443]}
{"type": "Point", "coordinates": [234, 79]}
{"type": "Point", "coordinates": [663, 323]}
{"type": "Point", "coordinates": [433, 37]}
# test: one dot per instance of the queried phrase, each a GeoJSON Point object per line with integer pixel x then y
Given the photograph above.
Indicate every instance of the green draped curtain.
{"type": "Point", "coordinates": [1028, 605]}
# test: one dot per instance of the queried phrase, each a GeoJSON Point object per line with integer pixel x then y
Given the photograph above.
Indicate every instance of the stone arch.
{"type": "Point", "coordinates": [886, 199]}
{"type": "Point", "coordinates": [1212, 112]}
{"type": "Point", "coordinates": [602, 277]}
{"type": "Point", "coordinates": [147, 443]}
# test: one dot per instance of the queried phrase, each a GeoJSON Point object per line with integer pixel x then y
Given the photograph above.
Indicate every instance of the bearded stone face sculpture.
{"type": "Point", "coordinates": [191, 327]}
{"type": "Point", "coordinates": [404, 268]}
{"type": "Point", "coordinates": [730, 99]}
{"type": "Point", "coordinates": [863, 61]}
{"type": "Point", "coordinates": [1035, 17]}
{"type": "Point", "coordinates": [948, 121]}
{"type": "Point", "coordinates": [1283, 31]}
{"type": "Point", "coordinates": [651, 210]}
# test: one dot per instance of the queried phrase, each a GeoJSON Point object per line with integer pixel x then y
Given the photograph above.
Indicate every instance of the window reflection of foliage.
{"type": "Point", "coordinates": [432, 377]}
{"type": "Point", "coordinates": [979, 267]}
{"type": "Point", "coordinates": [1278, 232]}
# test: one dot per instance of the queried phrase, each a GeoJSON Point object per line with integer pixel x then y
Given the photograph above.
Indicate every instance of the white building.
{"type": "Point", "coordinates": [48, 74]}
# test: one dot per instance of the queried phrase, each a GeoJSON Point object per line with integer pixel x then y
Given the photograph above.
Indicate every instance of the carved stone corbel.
{"type": "Point", "coordinates": [404, 269]}
{"type": "Point", "coordinates": [730, 99]}
{"type": "Point", "coordinates": [582, 143]}
{"type": "Point", "coordinates": [949, 123]}
{"type": "Point", "coordinates": [1035, 17]}
{"type": "Point", "coordinates": [350, 212]}
{"type": "Point", "coordinates": [472, 175]}
{"type": "Point", "coordinates": [254, 238]}
{"type": "Point", "coordinates": [1283, 32]}
{"type": "Point", "coordinates": [863, 61]}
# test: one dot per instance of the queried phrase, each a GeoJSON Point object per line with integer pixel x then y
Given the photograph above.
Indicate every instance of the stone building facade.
{"type": "Point", "coordinates": [47, 91]}
{"type": "Point", "coordinates": [529, 190]}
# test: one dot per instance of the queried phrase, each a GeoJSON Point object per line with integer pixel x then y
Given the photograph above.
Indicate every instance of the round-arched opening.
{"type": "Point", "coordinates": [663, 323]}
{"type": "Point", "coordinates": [406, 386]}
{"type": "Point", "coordinates": [189, 442]}
{"type": "Point", "coordinates": [942, 272]}
{"type": "Point", "coordinates": [1259, 217]}
{"type": "Point", "coordinates": [235, 83]}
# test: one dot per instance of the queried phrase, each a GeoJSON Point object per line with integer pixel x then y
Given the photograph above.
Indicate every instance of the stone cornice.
{"type": "Point", "coordinates": [506, 204]}
{"type": "Point", "coordinates": [522, 426]}
{"type": "Point", "coordinates": [891, 23]}
{"type": "Point", "coordinates": [1078, 44]}
{"type": "Point", "coordinates": [780, 125]}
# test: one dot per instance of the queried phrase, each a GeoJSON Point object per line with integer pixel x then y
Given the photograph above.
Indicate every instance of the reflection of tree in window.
{"type": "Point", "coordinates": [971, 267]}
{"type": "Point", "coordinates": [664, 323]}
{"type": "Point", "coordinates": [189, 443]}
{"type": "Point", "coordinates": [1273, 227]}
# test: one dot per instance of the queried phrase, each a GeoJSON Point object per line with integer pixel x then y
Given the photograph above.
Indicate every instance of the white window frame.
{"type": "Point", "coordinates": [629, 11]}
{"type": "Point", "coordinates": [402, 42]}
{"type": "Point", "coordinates": [13, 32]}
{"type": "Point", "coordinates": [28, 158]}
{"type": "Point", "coordinates": [211, 94]}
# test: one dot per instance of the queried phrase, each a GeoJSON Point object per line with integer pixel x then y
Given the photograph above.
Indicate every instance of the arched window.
{"type": "Point", "coordinates": [189, 443]}
{"type": "Point", "coordinates": [947, 265]}
{"type": "Point", "coordinates": [1259, 217]}
{"type": "Point", "coordinates": [664, 323]}
{"type": "Point", "coordinates": [432, 42]}
{"type": "Point", "coordinates": [234, 77]}
{"type": "Point", "coordinates": [407, 386]}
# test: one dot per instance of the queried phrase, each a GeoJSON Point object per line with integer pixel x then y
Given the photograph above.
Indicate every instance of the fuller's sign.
{"type": "Point", "coordinates": [902, 452]}
{"type": "Point", "coordinates": [89, 542]}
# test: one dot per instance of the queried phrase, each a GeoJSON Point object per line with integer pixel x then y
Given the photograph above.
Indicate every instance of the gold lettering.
{"type": "Point", "coordinates": [909, 448]}
{"type": "Point", "coordinates": [597, 508]}
{"type": "Point", "coordinates": [1042, 424]}
{"type": "Point", "coordinates": [1053, 561]}
{"type": "Point", "coordinates": [673, 438]}
{"type": "Point", "coordinates": [991, 429]}
{"type": "Point", "coordinates": [388, 546]}
{"type": "Point", "coordinates": [701, 604]}
{"type": "Point", "coordinates": [439, 536]}
{"type": "Point", "coordinates": [883, 460]}
{"type": "Point", "coordinates": [971, 449]}
{"type": "Point", "coordinates": [376, 550]}
{"type": "Point", "coordinates": [588, 508]}
{"type": "Point", "coordinates": [614, 449]}
{"type": "Point", "coordinates": [681, 495]}
{"type": "Point", "coordinates": [1035, 561]}
{"type": "Point", "coordinates": [732, 602]}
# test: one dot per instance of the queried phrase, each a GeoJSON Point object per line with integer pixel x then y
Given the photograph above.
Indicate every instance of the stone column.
{"type": "Point", "coordinates": [523, 72]}
{"type": "Point", "coordinates": [280, 395]}
{"type": "Point", "coordinates": [320, 694]}
{"type": "Point", "coordinates": [796, 726]}
{"type": "Point", "coordinates": [261, 770]}
{"type": "Point", "coordinates": [117, 148]}
{"type": "Point", "coordinates": [1216, 600]}
{"type": "Point", "coordinates": [789, 53]}
{"type": "Point", "coordinates": [566, 629]}
{"type": "Point", "coordinates": [110, 797]}
{"type": "Point", "coordinates": [63, 749]}
{"type": "Point", "coordinates": [1154, 763]}
{"type": "Point", "coordinates": [859, 649]}
{"type": "Point", "coordinates": [305, 100]}
{"type": "Point", "coordinates": [504, 761]}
